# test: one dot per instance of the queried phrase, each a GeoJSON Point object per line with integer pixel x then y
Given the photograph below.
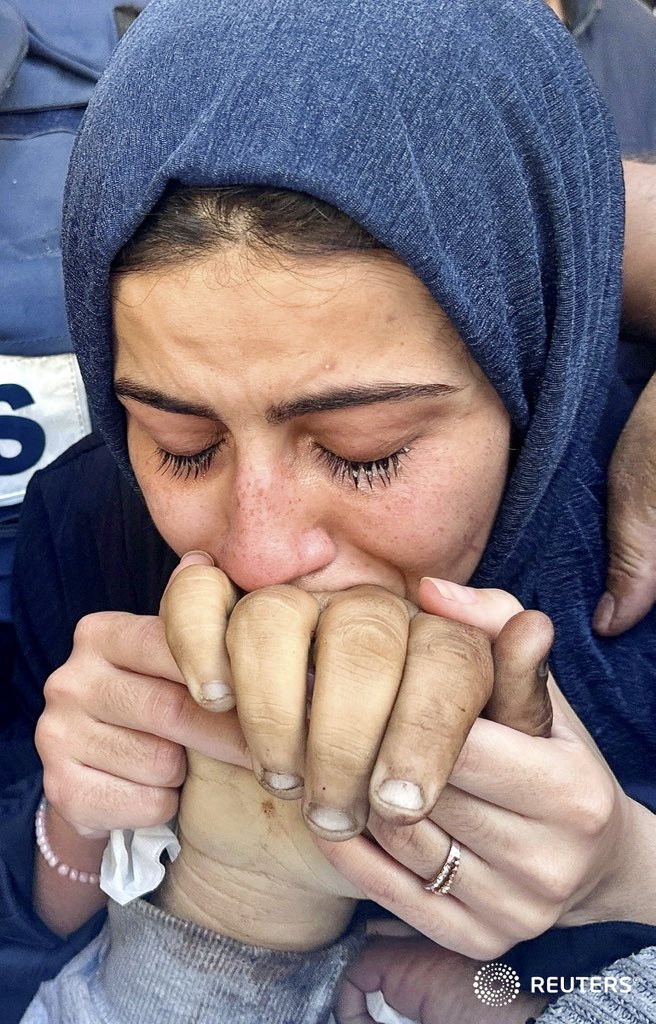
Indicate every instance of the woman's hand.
{"type": "Point", "coordinates": [396, 690]}
{"type": "Point", "coordinates": [546, 833]}
{"type": "Point", "coordinates": [421, 981]}
{"type": "Point", "coordinates": [115, 725]}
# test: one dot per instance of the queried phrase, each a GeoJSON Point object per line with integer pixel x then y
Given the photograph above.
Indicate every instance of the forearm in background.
{"type": "Point", "coordinates": [639, 267]}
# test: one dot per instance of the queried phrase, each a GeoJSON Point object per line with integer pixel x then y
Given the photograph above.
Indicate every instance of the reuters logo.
{"type": "Point", "coordinates": [496, 984]}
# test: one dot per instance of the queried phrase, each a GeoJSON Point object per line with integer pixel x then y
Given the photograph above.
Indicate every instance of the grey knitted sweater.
{"type": "Point", "coordinates": [147, 967]}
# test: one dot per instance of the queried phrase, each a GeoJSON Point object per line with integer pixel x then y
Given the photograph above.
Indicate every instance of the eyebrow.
{"type": "Point", "coordinates": [326, 401]}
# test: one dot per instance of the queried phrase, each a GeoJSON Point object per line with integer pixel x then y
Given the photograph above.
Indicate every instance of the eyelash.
{"type": "Point", "coordinates": [186, 466]}
{"type": "Point", "coordinates": [378, 469]}
{"type": "Point", "coordinates": [344, 470]}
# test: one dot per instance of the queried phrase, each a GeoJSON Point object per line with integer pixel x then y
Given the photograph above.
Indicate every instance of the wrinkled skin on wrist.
{"type": "Point", "coordinates": [248, 867]}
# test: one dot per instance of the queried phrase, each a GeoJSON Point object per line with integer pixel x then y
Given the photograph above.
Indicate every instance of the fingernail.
{"type": "Point", "coordinates": [453, 591]}
{"type": "Point", "coordinates": [215, 692]}
{"type": "Point", "coordinates": [196, 558]}
{"type": "Point", "coordinates": [399, 793]}
{"type": "Point", "coordinates": [282, 781]}
{"type": "Point", "coordinates": [330, 819]}
{"type": "Point", "coordinates": [543, 670]}
{"type": "Point", "coordinates": [604, 613]}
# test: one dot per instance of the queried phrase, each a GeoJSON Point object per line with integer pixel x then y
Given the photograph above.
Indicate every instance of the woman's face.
{"type": "Point", "coordinates": [310, 422]}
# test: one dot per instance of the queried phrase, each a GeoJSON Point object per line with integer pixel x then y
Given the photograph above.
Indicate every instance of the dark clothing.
{"type": "Point", "coordinates": [537, 177]}
{"type": "Point", "coordinates": [617, 39]}
{"type": "Point", "coordinates": [98, 551]}
{"type": "Point", "coordinates": [95, 539]}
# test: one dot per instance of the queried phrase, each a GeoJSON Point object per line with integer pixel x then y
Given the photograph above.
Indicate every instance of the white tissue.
{"type": "Point", "coordinates": [382, 1012]}
{"type": "Point", "coordinates": [131, 862]}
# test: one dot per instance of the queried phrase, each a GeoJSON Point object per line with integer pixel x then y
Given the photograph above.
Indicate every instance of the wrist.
{"type": "Point", "coordinates": [62, 903]}
{"type": "Point", "coordinates": [249, 907]}
{"type": "Point", "coordinates": [84, 853]}
{"type": "Point", "coordinates": [628, 892]}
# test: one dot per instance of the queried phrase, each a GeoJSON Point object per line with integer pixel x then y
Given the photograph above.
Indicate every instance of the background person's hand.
{"type": "Point", "coordinates": [631, 577]}
{"type": "Point", "coordinates": [421, 981]}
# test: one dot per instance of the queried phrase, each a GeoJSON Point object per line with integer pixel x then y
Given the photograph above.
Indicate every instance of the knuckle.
{"type": "Point", "coordinates": [466, 648]}
{"type": "Point", "coordinates": [595, 807]}
{"type": "Point", "coordinates": [156, 806]}
{"type": "Point", "coordinates": [633, 561]}
{"type": "Point", "coordinates": [46, 737]}
{"type": "Point", "coordinates": [375, 620]}
{"type": "Point", "coordinates": [92, 628]}
{"type": "Point", "coordinates": [489, 946]}
{"type": "Point", "coordinates": [168, 707]}
{"type": "Point", "coordinates": [56, 685]}
{"type": "Point", "coordinates": [168, 763]}
{"type": "Point", "coordinates": [146, 635]}
{"type": "Point", "coordinates": [534, 921]}
{"type": "Point", "coordinates": [289, 600]}
{"type": "Point", "coordinates": [553, 881]}
{"type": "Point", "coordinates": [347, 756]}
{"type": "Point", "coordinates": [272, 721]}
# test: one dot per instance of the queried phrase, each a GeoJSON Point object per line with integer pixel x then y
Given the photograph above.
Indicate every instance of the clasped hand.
{"type": "Point", "coordinates": [395, 714]}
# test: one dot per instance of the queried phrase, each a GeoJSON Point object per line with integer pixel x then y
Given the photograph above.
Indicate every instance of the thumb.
{"type": "Point", "coordinates": [631, 576]}
{"type": "Point", "coordinates": [521, 643]}
{"type": "Point", "coordinates": [488, 610]}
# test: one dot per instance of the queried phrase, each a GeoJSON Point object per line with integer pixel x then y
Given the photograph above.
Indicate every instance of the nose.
{"type": "Point", "coordinates": [274, 534]}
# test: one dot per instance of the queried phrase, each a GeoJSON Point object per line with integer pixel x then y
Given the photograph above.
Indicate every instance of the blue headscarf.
{"type": "Point", "coordinates": [469, 139]}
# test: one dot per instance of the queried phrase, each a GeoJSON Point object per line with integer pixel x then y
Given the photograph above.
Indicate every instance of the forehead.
{"type": "Point", "coordinates": [244, 310]}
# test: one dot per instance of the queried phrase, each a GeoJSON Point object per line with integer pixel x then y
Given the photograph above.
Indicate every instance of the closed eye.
{"type": "Point", "coordinates": [376, 471]}
{"type": "Point", "coordinates": [188, 466]}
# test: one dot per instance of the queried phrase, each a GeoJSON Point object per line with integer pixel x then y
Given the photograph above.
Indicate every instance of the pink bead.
{"type": "Point", "coordinates": [51, 857]}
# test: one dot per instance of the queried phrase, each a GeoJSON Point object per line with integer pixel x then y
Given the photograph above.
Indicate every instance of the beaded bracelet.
{"type": "Point", "coordinates": [49, 854]}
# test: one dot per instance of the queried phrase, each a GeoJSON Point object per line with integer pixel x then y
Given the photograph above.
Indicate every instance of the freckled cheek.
{"type": "Point", "coordinates": [440, 528]}
{"type": "Point", "coordinates": [183, 521]}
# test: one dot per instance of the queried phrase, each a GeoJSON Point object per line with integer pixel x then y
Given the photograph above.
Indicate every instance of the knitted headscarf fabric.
{"type": "Point", "coordinates": [469, 139]}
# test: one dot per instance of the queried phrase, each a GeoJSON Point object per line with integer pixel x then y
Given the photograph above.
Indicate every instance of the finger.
{"type": "Point", "coordinates": [360, 651]}
{"type": "Point", "coordinates": [351, 1005]}
{"type": "Point", "coordinates": [511, 844]}
{"type": "Point", "coordinates": [150, 705]}
{"type": "Point", "coordinates": [447, 680]}
{"type": "Point", "coordinates": [631, 576]}
{"type": "Point", "coordinates": [423, 849]}
{"type": "Point", "coordinates": [488, 610]}
{"type": "Point", "coordinates": [268, 639]}
{"type": "Point", "coordinates": [413, 975]}
{"type": "Point", "coordinates": [95, 801]}
{"type": "Point", "coordinates": [195, 609]}
{"type": "Point", "coordinates": [507, 768]}
{"type": "Point", "coordinates": [133, 756]}
{"type": "Point", "coordinates": [527, 907]}
{"type": "Point", "coordinates": [520, 698]}
{"type": "Point", "coordinates": [136, 643]}
{"type": "Point", "coordinates": [522, 643]}
{"type": "Point", "coordinates": [444, 919]}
